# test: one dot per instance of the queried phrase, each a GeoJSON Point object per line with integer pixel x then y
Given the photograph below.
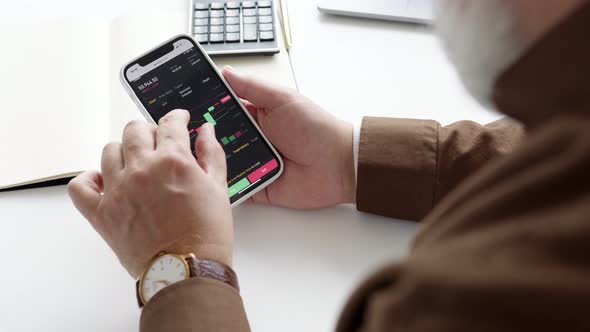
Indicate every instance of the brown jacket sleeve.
{"type": "Point", "coordinates": [507, 251]}
{"type": "Point", "coordinates": [406, 166]}
{"type": "Point", "coordinates": [196, 305]}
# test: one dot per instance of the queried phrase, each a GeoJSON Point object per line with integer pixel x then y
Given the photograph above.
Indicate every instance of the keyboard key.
{"type": "Point", "coordinates": [216, 38]}
{"type": "Point", "coordinates": [248, 4]}
{"type": "Point", "coordinates": [264, 4]}
{"type": "Point", "coordinates": [217, 5]}
{"type": "Point", "coordinates": [233, 5]}
{"type": "Point", "coordinates": [201, 6]}
{"type": "Point", "coordinates": [217, 13]}
{"type": "Point", "coordinates": [250, 20]}
{"type": "Point", "coordinates": [203, 39]}
{"type": "Point", "coordinates": [216, 29]}
{"type": "Point", "coordinates": [232, 20]}
{"type": "Point", "coordinates": [250, 32]}
{"type": "Point", "coordinates": [201, 13]}
{"type": "Point", "coordinates": [267, 35]}
{"type": "Point", "coordinates": [265, 19]}
{"type": "Point", "coordinates": [232, 12]}
{"type": "Point", "coordinates": [201, 29]}
{"type": "Point", "coordinates": [232, 28]}
{"type": "Point", "coordinates": [265, 27]}
{"type": "Point", "coordinates": [232, 37]}
{"type": "Point", "coordinates": [201, 21]}
{"type": "Point", "coordinates": [249, 12]}
{"type": "Point", "coordinates": [217, 21]}
{"type": "Point", "coordinates": [264, 11]}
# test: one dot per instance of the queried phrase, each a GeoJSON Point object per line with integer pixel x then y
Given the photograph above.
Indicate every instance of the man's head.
{"type": "Point", "coordinates": [484, 37]}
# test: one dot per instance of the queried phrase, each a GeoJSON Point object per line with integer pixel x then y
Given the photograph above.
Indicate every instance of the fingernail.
{"type": "Point", "coordinates": [208, 127]}
{"type": "Point", "coordinates": [171, 113]}
{"type": "Point", "coordinates": [229, 68]}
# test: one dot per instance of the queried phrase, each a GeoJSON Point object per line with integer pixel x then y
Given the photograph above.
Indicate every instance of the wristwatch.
{"type": "Point", "coordinates": [167, 269]}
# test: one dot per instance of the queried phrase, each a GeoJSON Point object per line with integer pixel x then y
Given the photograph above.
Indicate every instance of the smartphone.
{"type": "Point", "coordinates": [179, 75]}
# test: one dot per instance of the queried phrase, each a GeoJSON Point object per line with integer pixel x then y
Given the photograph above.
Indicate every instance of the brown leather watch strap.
{"type": "Point", "coordinates": [137, 296]}
{"type": "Point", "coordinates": [203, 268]}
{"type": "Point", "coordinates": [210, 269]}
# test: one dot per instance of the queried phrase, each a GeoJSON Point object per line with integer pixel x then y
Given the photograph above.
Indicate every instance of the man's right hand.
{"type": "Point", "coordinates": [315, 145]}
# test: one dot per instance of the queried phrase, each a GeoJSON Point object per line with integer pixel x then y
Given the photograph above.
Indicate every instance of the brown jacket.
{"type": "Point", "coordinates": [505, 244]}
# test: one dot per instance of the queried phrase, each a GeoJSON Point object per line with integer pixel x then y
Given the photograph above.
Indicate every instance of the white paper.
{"type": "Point", "coordinates": [54, 98]}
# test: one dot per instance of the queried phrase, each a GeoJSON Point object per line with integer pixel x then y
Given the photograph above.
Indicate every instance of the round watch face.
{"type": "Point", "coordinates": [165, 271]}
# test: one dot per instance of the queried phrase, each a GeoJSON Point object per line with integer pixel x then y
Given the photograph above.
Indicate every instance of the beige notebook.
{"type": "Point", "coordinates": [61, 97]}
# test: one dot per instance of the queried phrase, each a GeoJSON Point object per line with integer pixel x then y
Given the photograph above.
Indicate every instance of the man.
{"type": "Point", "coordinates": [506, 238]}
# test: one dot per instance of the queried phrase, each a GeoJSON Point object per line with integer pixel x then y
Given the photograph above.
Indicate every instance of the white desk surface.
{"type": "Point", "coordinates": [296, 268]}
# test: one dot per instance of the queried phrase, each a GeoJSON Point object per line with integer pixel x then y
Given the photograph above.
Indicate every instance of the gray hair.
{"type": "Point", "coordinates": [481, 39]}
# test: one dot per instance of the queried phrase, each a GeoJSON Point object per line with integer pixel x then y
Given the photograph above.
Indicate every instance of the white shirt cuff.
{"type": "Point", "coordinates": [356, 140]}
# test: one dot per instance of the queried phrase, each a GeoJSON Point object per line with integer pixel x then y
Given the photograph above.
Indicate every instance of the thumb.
{"type": "Point", "coordinates": [210, 155]}
{"type": "Point", "coordinates": [85, 191]}
{"type": "Point", "coordinates": [258, 92]}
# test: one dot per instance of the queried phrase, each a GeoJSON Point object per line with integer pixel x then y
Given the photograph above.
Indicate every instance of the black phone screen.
{"type": "Point", "coordinates": [178, 76]}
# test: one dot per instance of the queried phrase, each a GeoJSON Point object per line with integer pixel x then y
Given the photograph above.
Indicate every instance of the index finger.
{"type": "Point", "coordinates": [172, 132]}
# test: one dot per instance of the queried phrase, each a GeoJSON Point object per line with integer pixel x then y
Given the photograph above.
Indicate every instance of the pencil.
{"type": "Point", "coordinates": [286, 24]}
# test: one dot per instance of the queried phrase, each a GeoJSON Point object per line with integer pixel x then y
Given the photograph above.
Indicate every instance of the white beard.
{"type": "Point", "coordinates": [480, 40]}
